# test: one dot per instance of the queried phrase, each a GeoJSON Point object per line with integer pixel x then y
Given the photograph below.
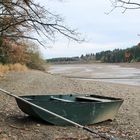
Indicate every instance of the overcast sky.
{"type": "Point", "coordinates": [102, 31]}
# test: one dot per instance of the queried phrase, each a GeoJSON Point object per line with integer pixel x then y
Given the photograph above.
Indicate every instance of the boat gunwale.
{"type": "Point", "coordinates": [112, 99]}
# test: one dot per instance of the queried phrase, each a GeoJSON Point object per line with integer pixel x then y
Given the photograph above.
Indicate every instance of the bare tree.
{"type": "Point", "coordinates": [21, 18]}
{"type": "Point", "coordinates": [125, 4]}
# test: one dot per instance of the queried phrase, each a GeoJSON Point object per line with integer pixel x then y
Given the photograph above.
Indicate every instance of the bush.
{"type": "Point", "coordinates": [36, 61]}
{"type": "Point", "coordinates": [25, 53]}
{"type": "Point", "coordinates": [11, 52]}
{"type": "Point", "coordinates": [35, 58]}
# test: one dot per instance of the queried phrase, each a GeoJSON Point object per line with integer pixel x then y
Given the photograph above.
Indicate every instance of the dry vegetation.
{"type": "Point", "coordinates": [14, 56]}
{"type": "Point", "coordinates": [12, 67]}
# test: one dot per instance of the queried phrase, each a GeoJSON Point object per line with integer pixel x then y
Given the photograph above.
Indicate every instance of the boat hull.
{"type": "Point", "coordinates": [84, 112]}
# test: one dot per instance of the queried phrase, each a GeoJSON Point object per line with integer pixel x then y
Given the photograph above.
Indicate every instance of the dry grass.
{"type": "Point", "coordinates": [3, 69]}
{"type": "Point", "coordinates": [12, 67]}
{"type": "Point", "coordinates": [17, 67]}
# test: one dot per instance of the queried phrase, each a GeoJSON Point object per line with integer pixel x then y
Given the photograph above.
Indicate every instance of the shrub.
{"type": "Point", "coordinates": [25, 53]}
{"type": "Point", "coordinates": [17, 67]}
{"type": "Point", "coordinates": [11, 52]}
{"type": "Point", "coordinates": [35, 62]}
{"type": "Point", "coordinates": [35, 58]}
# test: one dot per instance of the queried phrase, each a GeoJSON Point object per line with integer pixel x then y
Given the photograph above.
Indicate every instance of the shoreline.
{"type": "Point", "coordinates": [126, 124]}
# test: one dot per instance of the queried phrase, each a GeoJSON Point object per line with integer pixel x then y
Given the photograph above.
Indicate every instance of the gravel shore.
{"type": "Point", "coordinates": [15, 125]}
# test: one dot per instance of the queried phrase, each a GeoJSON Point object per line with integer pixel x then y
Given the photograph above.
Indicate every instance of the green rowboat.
{"type": "Point", "coordinates": [82, 109]}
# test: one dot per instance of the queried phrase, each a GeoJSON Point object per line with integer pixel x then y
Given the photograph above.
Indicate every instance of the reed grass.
{"type": "Point", "coordinates": [12, 67]}
{"type": "Point", "coordinates": [17, 67]}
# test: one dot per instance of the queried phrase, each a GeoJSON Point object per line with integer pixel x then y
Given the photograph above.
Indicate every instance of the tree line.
{"type": "Point", "coordinates": [116, 56]}
{"type": "Point", "coordinates": [120, 55]}
{"type": "Point", "coordinates": [64, 60]}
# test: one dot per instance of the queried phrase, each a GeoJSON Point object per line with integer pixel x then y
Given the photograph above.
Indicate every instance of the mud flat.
{"type": "Point", "coordinates": [124, 73]}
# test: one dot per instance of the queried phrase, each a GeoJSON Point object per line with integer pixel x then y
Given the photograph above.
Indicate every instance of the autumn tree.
{"type": "Point", "coordinates": [12, 52]}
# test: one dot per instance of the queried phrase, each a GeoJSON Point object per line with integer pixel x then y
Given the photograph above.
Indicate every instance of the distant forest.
{"type": "Point", "coordinates": [116, 56]}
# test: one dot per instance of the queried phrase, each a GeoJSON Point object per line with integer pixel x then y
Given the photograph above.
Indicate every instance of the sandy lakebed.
{"type": "Point", "coordinates": [15, 125]}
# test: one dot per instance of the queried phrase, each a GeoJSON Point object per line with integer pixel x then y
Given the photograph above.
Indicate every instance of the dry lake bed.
{"type": "Point", "coordinates": [99, 72]}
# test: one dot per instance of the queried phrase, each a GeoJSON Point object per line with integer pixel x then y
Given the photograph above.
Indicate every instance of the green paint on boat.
{"type": "Point", "coordinates": [83, 109]}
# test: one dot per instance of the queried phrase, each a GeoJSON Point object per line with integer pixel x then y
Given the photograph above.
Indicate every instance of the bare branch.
{"type": "Point", "coordinates": [125, 5]}
{"type": "Point", "coordinates": [20, 16]}
{"type": "Point", "coordinates": [24, 37]}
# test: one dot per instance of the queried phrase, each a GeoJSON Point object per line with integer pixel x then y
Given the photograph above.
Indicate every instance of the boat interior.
{"type": "Point", "coordinates": [71, 98]}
